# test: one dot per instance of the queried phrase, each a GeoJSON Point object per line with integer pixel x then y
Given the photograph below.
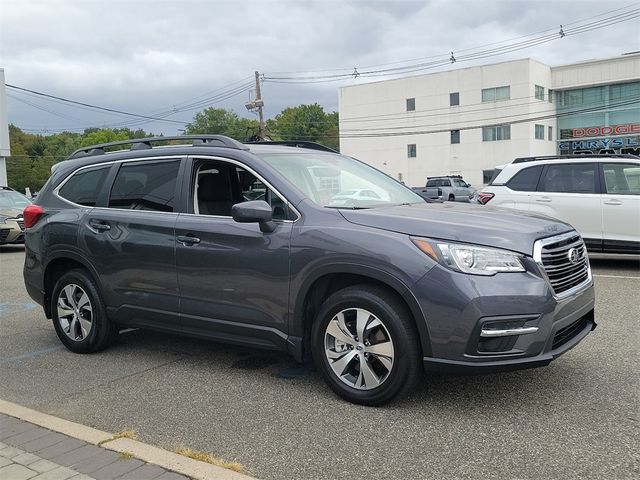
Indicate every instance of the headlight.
{"type": "Point", "coordinates": [470, 258]}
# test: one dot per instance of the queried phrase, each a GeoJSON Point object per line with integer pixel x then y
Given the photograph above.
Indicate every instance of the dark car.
{"type": "Point", "coordinates": [172, 238]}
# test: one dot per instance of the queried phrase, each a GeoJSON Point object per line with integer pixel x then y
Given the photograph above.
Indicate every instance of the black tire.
{"type": "Point", "coordinates": [452, 198]}
{"type": "Point", "coordinates": [394, 315]}
{"type": "Point", "coordinates": [102, 332]}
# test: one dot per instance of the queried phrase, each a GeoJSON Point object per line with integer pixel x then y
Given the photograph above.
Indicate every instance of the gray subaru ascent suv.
{"type": "Point", "coordinates": [241, 243]}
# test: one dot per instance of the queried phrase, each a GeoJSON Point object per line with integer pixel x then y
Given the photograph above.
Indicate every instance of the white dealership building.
{"type": "Point", "coordinates": [4, 132]}
{"type": "Point", "coordinates": [466, 121]}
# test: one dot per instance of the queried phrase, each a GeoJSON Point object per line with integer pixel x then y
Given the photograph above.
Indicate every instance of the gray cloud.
{"type": "Point", "coordinates": [146, 56]}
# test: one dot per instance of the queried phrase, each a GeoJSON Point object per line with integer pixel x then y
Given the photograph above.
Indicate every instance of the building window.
{"type": "Point", "coordinates": [454, 99]}
{"type": "Point", "coordinates": [455, 136]}
{"type": "Point", "coordinates": [539, 132]}
{"type": "Point", "coordinates": [411, 104]}
{"type": "Point", "coordinates": [500, 132]}
{"type": "Point", "coordinates": [550, 96]}
{"type": "Point", "coordinates": [496, 93]}
{"type": "Point", "coordinates": [539, 92]}
{"type": "Point", "coordinates": [570, 97]}
{"type": "Point", "coordinates": [411, 150]}
{"type": "Point", "coordinates": [550, 133]}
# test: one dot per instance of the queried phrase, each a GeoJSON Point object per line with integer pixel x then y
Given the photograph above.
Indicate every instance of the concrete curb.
{"type": "Point", "coordinates": [147, 453]}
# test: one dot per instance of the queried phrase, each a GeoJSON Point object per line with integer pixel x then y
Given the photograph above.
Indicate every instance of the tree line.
{"type": "Point", "coordinates": [33, 155]}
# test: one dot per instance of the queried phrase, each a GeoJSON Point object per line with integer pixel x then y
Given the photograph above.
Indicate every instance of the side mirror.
{"type": "Point", "coordinates": [254, 211]}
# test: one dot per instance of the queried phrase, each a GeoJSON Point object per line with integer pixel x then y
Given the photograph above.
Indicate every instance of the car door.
{"type": "Point", "coordinates": [233, 278]}
{"type": "Point", "coordinates": [460, 189]}
{"type": "Point", "coordinates": [130, 240]}
{"type": "Point", "coordinates": [571, 192]}
{"type": "Point", "coordinates": [621, 206]}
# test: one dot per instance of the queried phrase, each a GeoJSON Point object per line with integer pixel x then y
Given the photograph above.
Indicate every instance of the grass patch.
{"type": "Point", "coordinates": [212, 459]}
{"type": "Point", "coordinates": [126, 433]}
{"type": "Point", "coordinates": [127, 456]}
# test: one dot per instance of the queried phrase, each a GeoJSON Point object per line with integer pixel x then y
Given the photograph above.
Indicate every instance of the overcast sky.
{"type": "Point", "coordinates": [149, 56]}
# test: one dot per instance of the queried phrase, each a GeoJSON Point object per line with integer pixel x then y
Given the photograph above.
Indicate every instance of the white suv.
{"type": "Point", "coordinates": [599, 195]}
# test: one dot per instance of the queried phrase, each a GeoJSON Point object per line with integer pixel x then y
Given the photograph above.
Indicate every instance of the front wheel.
{"type": "Point", "coordinates": [366, 345]}
{"type": "Point", "coordinates": [78, 314]}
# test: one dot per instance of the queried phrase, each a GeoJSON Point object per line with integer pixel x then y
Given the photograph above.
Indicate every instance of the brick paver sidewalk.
{"type": "Point", "coordinates": [28, 451]}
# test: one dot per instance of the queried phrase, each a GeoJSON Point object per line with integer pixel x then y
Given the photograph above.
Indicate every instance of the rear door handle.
{"type": "Point", "coordinates": [543, 199]}
{"type": "Point", "coordinates": [187, 240]}
{"type": "Point", "coordinates": [613, 202]}
{"type": "Point", "coordinates": [99, 225]}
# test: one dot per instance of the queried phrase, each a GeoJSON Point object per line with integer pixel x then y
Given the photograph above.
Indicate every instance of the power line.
{"type": "Point", "coordinates": [446, 59]}
{"type": "Point", "coordinates": [106, 109]}
{"type": "Point", "coordinates": [491, 122]}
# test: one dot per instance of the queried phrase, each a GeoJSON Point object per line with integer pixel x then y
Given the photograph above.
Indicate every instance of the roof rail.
{"type": "Point", "coordinates": [145, 144]}
{"type": "Point", "coordinates": [581, 155]}
{"type": "Point", "coordinates": [295, 143]}
{"type": "Point", "coordinates": [446, 176]}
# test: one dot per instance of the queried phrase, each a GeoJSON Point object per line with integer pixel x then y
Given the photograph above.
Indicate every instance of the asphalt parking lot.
{"type": "Point", "coordinates": [577, 418]}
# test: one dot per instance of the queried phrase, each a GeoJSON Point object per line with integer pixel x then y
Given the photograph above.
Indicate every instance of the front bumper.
{"type": "Point", "coordinates": [459, 307]}
{"type": "Point", "coordinates": [10, 232]}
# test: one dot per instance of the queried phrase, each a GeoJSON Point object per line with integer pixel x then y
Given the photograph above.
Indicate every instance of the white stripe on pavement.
{"type": "Point", "coordinates": [616, 276]}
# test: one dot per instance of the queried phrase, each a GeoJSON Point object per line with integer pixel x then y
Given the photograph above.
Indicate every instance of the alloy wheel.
{"type": "Point", "coordinates": [359, 348]}
{"type": "Point", "coordinates": [75, 313]}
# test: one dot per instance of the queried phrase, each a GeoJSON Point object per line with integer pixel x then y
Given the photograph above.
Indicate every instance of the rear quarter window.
{"type": "Point", "coordinates": [526, 180]}
{"type": "Point", "coordinates": [84, 186]}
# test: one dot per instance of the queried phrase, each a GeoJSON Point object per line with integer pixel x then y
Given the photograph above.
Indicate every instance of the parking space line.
{"type": "Point", "coordinates": [31, 354]}
{"type": "Point", "coordinates": [617, 276]}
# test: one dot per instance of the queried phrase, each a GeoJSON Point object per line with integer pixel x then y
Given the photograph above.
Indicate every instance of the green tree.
{"type": "Point", "coordinates": [306, 122]}
{"type": "Point", "coordinates": [220, 121]}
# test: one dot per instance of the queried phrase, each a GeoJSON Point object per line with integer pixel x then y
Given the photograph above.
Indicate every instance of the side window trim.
{"type": "Point", "coordinates": [188, 187]}
{"type": "Point", "coordinates": [103, 190]}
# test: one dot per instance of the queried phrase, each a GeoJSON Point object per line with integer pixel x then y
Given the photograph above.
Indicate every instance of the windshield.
{"type": "Point", "coordinates": [337, 181]}
{"type": "Point", "coordinates": [9, 199]}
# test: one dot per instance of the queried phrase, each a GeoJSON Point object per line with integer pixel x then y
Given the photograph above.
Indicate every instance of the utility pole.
{"type": "Point", "coordinates": [256, 105]}
{"type": "Point", "coordinates": [259, 104]}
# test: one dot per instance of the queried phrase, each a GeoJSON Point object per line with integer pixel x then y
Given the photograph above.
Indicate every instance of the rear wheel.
{"type": "Point", "coordinates": [78, 314]}
{"type": "Point", "coordinates": [365, 345]}
{"type": "Point", "coordinates": [452, 198]}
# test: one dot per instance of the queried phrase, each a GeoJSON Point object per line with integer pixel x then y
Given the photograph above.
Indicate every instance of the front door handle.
{"type": "Point", "coordinates": [99, 225]}
{"type": "Point", "coordinates": [613, 201]}
{"type": "Point", "coordinates": [188, 240]}
{"type": "Point", "coordinates": [543, 199]}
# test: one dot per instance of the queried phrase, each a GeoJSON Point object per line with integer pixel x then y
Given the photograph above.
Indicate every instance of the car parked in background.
{"type": "Point", "coordinates": [447, 188]}
{"type": "Point", "coordinates": [12, 204]}
{"type": "Point", "coordinates": [598, 194]}
{"type": "Point", "coordinates": [350, 198]}
{"type": "Point", "coordinates": [240, 243]}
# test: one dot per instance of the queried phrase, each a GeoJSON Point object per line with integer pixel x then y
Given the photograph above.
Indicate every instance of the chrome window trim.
{"type": "Point", "coordinates": [168, 158]}
{"type": "Point", "coordinates": [537, 257]}
{"type": "Point", "coordinates": [56, 191]}
{"type": "Point", "coordinates": [255, 174]}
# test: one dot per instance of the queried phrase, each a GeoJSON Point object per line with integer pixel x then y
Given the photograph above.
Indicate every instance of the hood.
{"type": "Point", "coordinates": [11, 212]}
{"type": "Point", "coordinates": [465, 223]}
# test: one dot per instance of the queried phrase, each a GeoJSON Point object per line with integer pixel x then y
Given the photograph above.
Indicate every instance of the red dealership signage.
{"type": "Point", "coordinates": [625, 129]}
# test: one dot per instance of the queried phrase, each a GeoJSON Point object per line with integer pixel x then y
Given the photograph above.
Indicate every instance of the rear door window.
{"type": "Point", "coordinates": [621, 179]}
{"type": "Point", "coordinates": [569, 178]}
{"type": "Point", "coordinates": [145, 186]}
{"type": "Point", "coordinates": [526, 180]}
{"type": "Point", "coordinates": [84, 186]}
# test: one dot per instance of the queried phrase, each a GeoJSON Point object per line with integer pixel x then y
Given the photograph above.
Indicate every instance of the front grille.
{"type": "Point", "coordinates": [565, 262]}
{"type": "Point", "coordinates": [3, 234]}
{"type": "Point", "coordinates": [565, 334]}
